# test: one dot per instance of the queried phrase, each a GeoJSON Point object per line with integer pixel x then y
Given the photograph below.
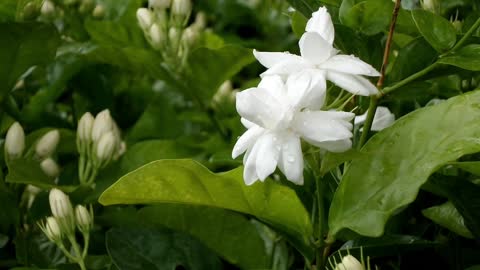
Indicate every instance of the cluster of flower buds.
{"type": "Point", "coordinates": [63, 222]}
{"type": "Point", "coordinates": [44, 148]}
{"type": "Point", "coordinates": [164, 24]}
{"type": "Point", "coordinates": [98, 142]}
{"type": "Point", "coordinates": [49, 9]}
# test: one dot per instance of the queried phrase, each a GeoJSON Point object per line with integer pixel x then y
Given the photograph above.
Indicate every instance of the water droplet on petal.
{"type": "Point", "coordinates": [291, 159]}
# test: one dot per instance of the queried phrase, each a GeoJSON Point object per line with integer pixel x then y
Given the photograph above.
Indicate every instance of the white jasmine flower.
{"type": "Point", "coordinates": [349, 263]}
{"type": "Point", "coordinates": [321, 59]}
{"type": "Point", "coordinates": [144, 17]}
{"type": "Point", "coordinates": [383, 118]}
{"type": "Point", "coordinates": [83, 218]}
{"type": "Point", "coordinates": [85, 125]}
{"type": "Point", "coordinates": [15, 141]}
{"type": "Point", "coordinates": [52, 229]}
{"type": "Point", "coordinates": [277, 115]}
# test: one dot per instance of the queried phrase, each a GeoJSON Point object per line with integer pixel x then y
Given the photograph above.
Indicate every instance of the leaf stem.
{"type": "Point", "coordinates": [409, 79]}
{"type": "Point", "coordinates": [321, 216]}
{"type": "Point", "coordinates": [466, 36]}
{"type": "Point", "coordinates": [372, 108]}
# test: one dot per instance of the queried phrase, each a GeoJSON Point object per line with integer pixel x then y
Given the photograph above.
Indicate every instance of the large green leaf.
{"type": "Point", "coordinates": [147, 249]}
{"type": "Point", "coordinates": [218, 229]}
{"type": "Point", "coordinates": [467, 57]}
{"type": "Point", "coordinates": [22, 46]}
{"type": "Point", "coordinates": [446, 215]}
{"type": "Point", "coordinates": [224, 63]}
{"type": "Point", "coordinates": [306, 7]}
{"type": "Point", "coordinates": [369, 17]}
{"type": "Point", "coordinates": [188, 182]}
{"type": "Point", "coordinates": [435, 29]}
{"type": "Point", "coordinates": [7, 10]}
{"type": "Point", "coordinates": [472, 167]}
{"type": "Point", "coordinates": [399, 159]}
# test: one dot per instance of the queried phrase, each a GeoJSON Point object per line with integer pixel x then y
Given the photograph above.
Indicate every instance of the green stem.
{"type": "Point", "coordinates": [467, 35]}
{"type": "Point", "coordinates": [86, 238]}
{"type": "Point", "coordinates": [372, 108]}
{"type": "Point", "coordinates": [321, 215]}
{"type": "Point", "coordinates": [76, 249]}
{"type": "Point", "coordinates": [409, 79]}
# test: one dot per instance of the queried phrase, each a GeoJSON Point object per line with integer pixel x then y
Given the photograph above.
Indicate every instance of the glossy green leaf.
{"type": "Point", "coordinates": [306, 7]}
{"type": "Point", "coordinates": [28, 171]}
{"type": "Point", "coordinates": [370, 17]}
{"type": "Point", "coordinates": [224, 63]}
{"type": "Point", "coordinates": [332, 160]}
{"type": "Point", "coordinates": [446, 215]}
{"type": "Point", "coordinates": [467, 57]}
{"type": "Point", "coordinates": [22, 46]}
{"type": "Point", "coordinates": [398, 161]}
{"type": "Point", "coordinates": [218, 229]}
{"type": "Point", "coordinates": [435, 29]}
{"type": "Point", "coordinates": [298, 22]}
{"type": "Point", "coordinates": [188, 182]}
{"type": "Point", "coordinates": [148, 249]}
{"type": "Point", "coordinates": [472, 167]}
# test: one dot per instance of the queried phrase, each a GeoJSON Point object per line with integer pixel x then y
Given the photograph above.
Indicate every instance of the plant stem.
{"type": "Point", "coordinates": [409, 79]}
{"type": "Point", "coordinates": [321, 216]}
{"type": "Point", "coordinates": [86, 238]}
{"type": "Point", "coordinates": [466, 36]}
{"type": "Point", "coordinates": [76, 249]}
{"type": "Point", "coordinates": [372, 108]}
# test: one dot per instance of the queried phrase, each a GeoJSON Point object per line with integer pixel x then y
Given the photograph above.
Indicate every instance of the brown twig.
{"type": "Point", "coordinates": [374, 99]}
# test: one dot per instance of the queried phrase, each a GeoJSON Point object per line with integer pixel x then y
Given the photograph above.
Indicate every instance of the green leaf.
{"type": "Point", "coordinates": [224, 63]}
{"type": "Point", "coordinates": [370, 17]}
{"type": "Point", "coordinates": [298, 22]}
{"type": "Point", "coordinates": [398, 160]}
{"type": "Point", "coordinates": [435, 29]}
{"type": "Point", "coordinates": [147, 249]}
{"type": "Point", "coordinates": [467, 57]}
{"type": "Point", "coordinates": [188, 182]}
{"type": "Point", "coordinates": [218, 229]}
{"type": "Point", "coordinates": [22, 46]}
{"type": "Point", "coordinates": [472, 167]}
{"type": "Point", "coordinates": [307, 7]}
{"type": "Point", "coordinates": [446, 215]}
{"type": "Point", "coordinates": [28, 171]}
{"type": "Point", "coordinates": [412, 58]}
{"type": "Point", "coordinates": [332, 160]}
{"type": "Point", "coordinates": [7, 10]}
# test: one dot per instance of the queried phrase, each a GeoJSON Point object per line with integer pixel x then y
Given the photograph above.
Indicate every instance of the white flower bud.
{"type": "Point", "coordinates": [224, 91]}
{"type": "Point", "coordinates": [200, 21]}
{"type": "Point", "coordinates": [181, 7]}
{"type": "Point", "coordinates": [430, 5]}
{"type": "Point", "coordinates": [161, 4]}
{"type": "Point", "coordinates": [33, 190]}
{"type": "Point", "coordinates": [382, 119]}
{"type": "Point", "coordinates": [156, 35]}
{"type": "Point", "coordinates": [84, 128]}
{"type": "Point", "coordinates": [50, 167]}
{"type": "Point", "coordinates": [48, 8]}
{"type": "Point", "coordinates": [98, 12]}
{"type": "Point", "coordinates": [15, 141]}
{"type": "Point", "coordinates": [349, 263]}
{"type": "Point", "coordinates": [106, 146]}
{"type": "Point", "coordinates": [102, 124]}
{"type": "Point", "coordinates": [52, 229]}
{"type": "Point", "coordinates": [144, 17]}
{"type": "Point", "coordinates": [121, 150]}
{"type": "Point", "coordinates": [173, 36]}
{"type": "Point", "coordinates": [83, 218]}
{"type": "Point", "coordinates": [60, 204]}
{"type": "Point", "coordinates": [189, 36]}
{"type": "Point", "coordinates": [47, 143]}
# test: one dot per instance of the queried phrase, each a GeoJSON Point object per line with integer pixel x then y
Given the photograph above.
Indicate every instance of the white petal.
{"type": "Point", "coordinates": [269, 59]}
{"type": "Point", "coordinates": [267, 157]}
{"type": "Point", "coordinates": [383, 118]}
{"type": "Point", "coordinates": [359, 120]}
{"type": "Point", "coordinates": [275, 86]}
{"type": "Point", "coordinates": [307, 89]}
{"type": "Point", "coordinates": [321, 23]}
{"type": "Point", "coordinates": [335, 146]}
{"type": "Point", "coordinates": [250, 161]}
{"type": "Point", "coordinates": [314, 48]}
{"type": "Point", "coordinates": [247, 123]}
{"type": "Point", "coordinates": [247, 140]}
{"type": "Point", "coordinates": [319, 126]}
{"type": "Point", "coordinates": [349, 64]}
{"type": "Point", "coordinates": [354, 84]}
{"type": "Point", "coordinates": [258, 106]}
{"type": "Point", "coordinates": [287, 67]}
{"type": "Point", "coordinates": [291, 159]}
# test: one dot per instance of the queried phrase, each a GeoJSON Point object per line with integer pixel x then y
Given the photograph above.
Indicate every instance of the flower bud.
{"type": "Point", "coordinates": [62, 210]}
{"type": "Point", "coordinates": [48, 8]}
{"type": "Point", "coordinates": [349, 263]}
{"type": "Point", "coordinates": [430, 5]}
{"type": "Point", "coordinates": [84, 128]}
{"type": "Point", "coordinates": [98, 12]}
{"type": "Point", "coordinates": [50, 167]}
{"type": "Point", "coordinates": [15, 141]}
{"type": "Point", "coordinates": [47, 143]}
{"type": "Point", "coordinates": [60, 204]}
{"type": "Point", "coordinates": [224, 91]}
{"type": "Point", "coordinates": [106, 147]}
{"type": "Point", "coordinates": [30, 11]}
{"type": "Point", "coordinates": [189, 36]}
{"type": "Point", "coordinates": [102, 124]}
{"type": "Point", "coordinates": [160, 4]}
{"type": "Point", "coordinates": [83, 218]}
{"type": "Point", "coordinates": [181, 7]}
{"type": "Point", "coordinates": [156, 35]}
{"type": "Point", "coordinates": [200, 21]}
{"type": "Point", "coordinates": [144, 17]}
{"type": "Point", "coordinates": [173, 37]}
{"type": "Point", "coordinates": [86, 6]}
{"type": "Point", "coordinates": [52, 230]}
